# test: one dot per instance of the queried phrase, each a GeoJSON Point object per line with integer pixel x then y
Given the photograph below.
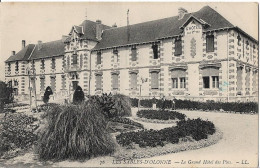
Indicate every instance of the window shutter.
{"type": "Point", "coordinates": [210, 71]}
{"type": "Point", "coordinates": [68, 60]}
{"type": "Point", "coordinates": [133, 80]}
{"type": "Point", "coordinates": [115, 81]}
{"type": "Point", "coordinates": [98, 81]}
{"type": "Point", "coordinates": [178, 47]}
{"type": "Point", "coordinates": [155, 51]}
{"type": "Point", "coordinates": [210, 43]}
{"type": "Point", "coordinates": [154, 80]}
{"type": "Point", "coordinates": [81, 60]}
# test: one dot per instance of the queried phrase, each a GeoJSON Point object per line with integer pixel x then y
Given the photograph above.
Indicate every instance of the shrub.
{"type": "Point", "coordinates": [78, 95]}
{"type": "Point", "coordinates": [196, 128]}
{"type": "Point", "coordinates": [246, 107]}
{"type": "Point", "coordinates": [5, 95]}
{"type": "Point", "coordinates": [17, 131]}
{"type": "Point", "coordinates": [126, 121]}
{"type": "Point", "coordinates": [160, 114]}
{"type": "Point", "coordinates": [75, 132]}
{"type": "Point", "coordinates": [114, 105]}
{"type": "Point", "coordinates": [47, 94]}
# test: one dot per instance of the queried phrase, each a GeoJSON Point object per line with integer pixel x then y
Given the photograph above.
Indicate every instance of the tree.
{"type": "Point", "coordinates": [6, 95]}
{"type": "Point", "coordinates": [78, 95]}
{"type": "Point", "coordinates": [47, 94]}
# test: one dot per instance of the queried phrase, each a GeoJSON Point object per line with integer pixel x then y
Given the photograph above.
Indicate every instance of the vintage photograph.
{"type": "Point", "coordinates": [129, 84]}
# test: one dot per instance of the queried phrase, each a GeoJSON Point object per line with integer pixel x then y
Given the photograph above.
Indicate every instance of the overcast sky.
{"type": "Point", "coordinates": [49, 21]}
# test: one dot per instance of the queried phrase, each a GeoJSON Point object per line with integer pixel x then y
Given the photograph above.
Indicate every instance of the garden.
{"type": "Point", "coordinates": [100, 126]}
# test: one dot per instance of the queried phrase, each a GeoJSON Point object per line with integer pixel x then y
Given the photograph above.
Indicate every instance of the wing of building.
{"type": "Point", "coordinates": [198, 56]}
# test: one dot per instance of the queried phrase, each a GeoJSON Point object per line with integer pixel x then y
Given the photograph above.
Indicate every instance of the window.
{"type": "Point", "coordinates": [155, 51]}
{"type": "Point", "coordinates": [238, 40]}
{"type": "Point", "coordinates": [247, 45]}
{"type": "Point", "coordinates": [134, 54]}
{"type": "Point", "coordinates": [116, 58]}
{"type": "Point", "coordinates": [155, 80]}
{"type": "Point", "coordinates": [182, 82]}
{"type": "Point", "coordinates": [210, 43]}
{"type": "Point", "coordinates": [10, 84]}
{"type": "Point", "coordinates": [115, 81]}
{"type": "Point", "coordinates": [68, 61]}
{"type": "Point", "coordinates": [9, 66]}
{"type": "Point", "coordinates": [15, 91]}
{"type": "Point", "coordinates": [15, 83]}
{"type": "Point", "coordinates": [16, 66]}
{"type": "Point", "coordinates": [98, 82]}
{"type": "Point", "coordinates": [74, 59]}
{"type": "Point", "coordinates": [174, 82]}
{"type": "Point", "coordinates": [178, 47]}
{"type": "Point", "coordinates": [75, 84]}
{"type": "Point", "coordinates": [53, 63]}
{"type": "Point", "coordinates": [133, 79]}
{"type": "Point", "coordinates": [42, 64]}
{"type": "Point", "coordinates": [206, 82]}
{"type": "Point", "coordinates": [42, 84]}
{"type": "Point", "coordinates": [99, 57]}
{"type": "Point", "coordinates": [215, 82]}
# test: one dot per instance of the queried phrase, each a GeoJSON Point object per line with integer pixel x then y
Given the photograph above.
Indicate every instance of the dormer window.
{"type": "Point", "coordinates": [42, 64]}
{"type": "Point", "coordinates": [239, 40]}
{"type": "Point", "coordinates": [210, 43]}
{"type": "Point", "coordinates": [98, 57]}
{"type": "Point", "coordinates": [16, 66]}
{"type": "Point", "coordinates": [155, 51]}
{"type": "Point", "coordinates": [9, 66]}
{"type": "Point", "coordinates": [247, 45]}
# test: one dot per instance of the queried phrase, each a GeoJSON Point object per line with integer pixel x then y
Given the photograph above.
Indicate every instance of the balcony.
{"type": "Point", "coordinates": [72, 68]}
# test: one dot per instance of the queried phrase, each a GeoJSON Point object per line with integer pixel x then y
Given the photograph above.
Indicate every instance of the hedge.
{"type": "Point", "coordinates": [160, 114]}
{"type": "Point", "coordinates": [246, 107]}
{"type": "Point", "coordinates": [196, 128]}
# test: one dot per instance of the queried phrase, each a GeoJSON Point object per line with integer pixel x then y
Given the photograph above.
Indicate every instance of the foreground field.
{"type": "Point", "coordinates": [240, 142]}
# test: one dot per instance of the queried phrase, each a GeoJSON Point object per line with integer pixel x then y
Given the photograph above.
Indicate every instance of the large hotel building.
{"type": "Point", "coordinates": [197, 56]}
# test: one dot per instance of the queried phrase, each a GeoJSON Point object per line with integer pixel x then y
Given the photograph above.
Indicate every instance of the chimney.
{"type": "Point", "coordinates": [39, 44]}
{"type": "Point", "coordinates": [98, 29]}
{"type": "Point", "coordinates": [13, 52]}
{"type": "Point", "coordinates": [182, 12]}
{"type": "Point", "coordinates": [23, 44]}
{"type": "Point", "coordinates": [114, 25]}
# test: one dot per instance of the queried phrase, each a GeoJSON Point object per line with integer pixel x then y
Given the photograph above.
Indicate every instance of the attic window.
{"type": "Point", "coordinates": [210, 43]}
{"type": "Point", "coordinates": [16, 66]}
{"type": "Point", "coordinates": [239, 40]}
{"type": "Point", "coordinates": [155, 51]}
{"type": "Point", "coordinates": [178, 47]}
{"type": "Point", "coordinates": [116, 58]}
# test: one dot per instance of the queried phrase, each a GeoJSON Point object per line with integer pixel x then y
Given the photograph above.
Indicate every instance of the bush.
{"type": "Point", "coordinates": [127, 121]}
{"type": "Point", "coordinates": [246, 107]}
{"type": "Point", "coordinates": [5, 95]}
{"type": "Point", "coordinates": [160, 114]}
{"type": "Point", "coordinates": [47, 94]}
{"type": "Point", "coordinates": [196, 128]}
{"type": "Point", "coordinates": [114, 105]}
{"type": "Point", "coordinates": [75, 132]}
{"type": "Point", "coordinates": [17, 131]}
{"type": "Point", "coordinates": [78, 95]}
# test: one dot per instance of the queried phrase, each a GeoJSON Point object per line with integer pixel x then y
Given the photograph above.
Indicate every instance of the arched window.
{"type": "Point", "coordinates": [178, 77]}
{"type": "Point", "coordinates": [210, 76]}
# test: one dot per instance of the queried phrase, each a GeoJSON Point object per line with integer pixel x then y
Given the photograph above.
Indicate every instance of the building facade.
{"type": "Point", "coordinates": [197, 56]}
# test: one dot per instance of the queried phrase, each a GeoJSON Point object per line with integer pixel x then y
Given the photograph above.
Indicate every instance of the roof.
{"type": "Point", "coordinates": [49, 49]}
{"type": "Point", "coordinates": [153, 30]}
{"type": "Point", "coordinates": [89, 29]}
{"type": "Point", "coordinates": [22, 55]}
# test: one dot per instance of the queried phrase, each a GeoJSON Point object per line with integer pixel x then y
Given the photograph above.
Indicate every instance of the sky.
{"type": "Point", "coordinates": [49, 21]}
